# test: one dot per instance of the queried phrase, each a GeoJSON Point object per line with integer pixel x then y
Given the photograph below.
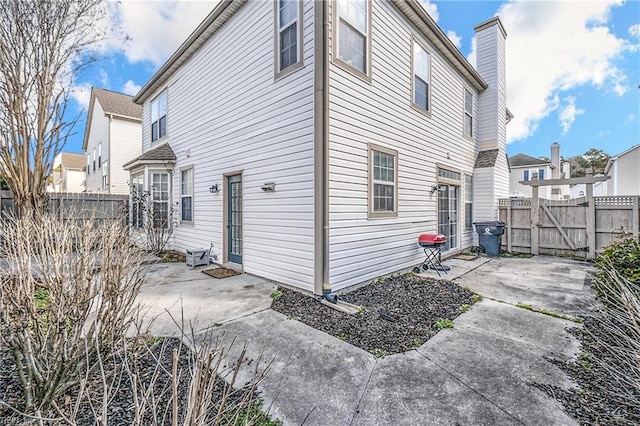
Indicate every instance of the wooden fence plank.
{"type": "Point", "coordinates": [558, 227]}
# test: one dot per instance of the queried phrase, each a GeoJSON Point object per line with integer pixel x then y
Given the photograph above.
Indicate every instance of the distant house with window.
{"type": "Point", "coordinates": [523, 167]}
{"type": "Point", "coordinates": [624, 170]}
{"type": "Point", "coordinates": [315, 155]}
{"type": "Point", "coordinates": [112, 138]}
{"type": "Point", "coordinates": [68, 173]}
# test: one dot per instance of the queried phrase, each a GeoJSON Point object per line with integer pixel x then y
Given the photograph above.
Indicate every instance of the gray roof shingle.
{"type": "Point", "coordinates": [525, 160]}
{"type": "Point", "coordinates": [486, 158]}
{"type": "Point", "coordinates": [161, 154]}
{"type": "Point", "coordinates": [118, 103]}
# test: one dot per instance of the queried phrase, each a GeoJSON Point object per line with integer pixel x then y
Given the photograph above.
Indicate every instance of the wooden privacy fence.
{"type": "Point", "coordinates": [577, 227]}
{"type": "Point", "coordinates": [76, 206]}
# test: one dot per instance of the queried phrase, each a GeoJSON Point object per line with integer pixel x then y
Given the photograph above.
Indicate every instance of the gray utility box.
{"type": "Point", "coordinates": [490, 236]}
{"type": "Point", "coordinates": [197, 258]}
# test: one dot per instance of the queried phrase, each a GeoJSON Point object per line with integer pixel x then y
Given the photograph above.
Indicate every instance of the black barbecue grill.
{"type": "Point", "coordinates": [432, 245]}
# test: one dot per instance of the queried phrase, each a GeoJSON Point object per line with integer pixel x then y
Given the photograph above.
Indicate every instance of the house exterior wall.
{"type": "Point", "coordinates": [98, 133]}
{"type": "Point", "coordinates": [73, 180]}
{"type": "Point", "coordinates": [226, 113]}
{"type": "Point", "coordinates": [516, 189]}
{"type": "Point", "coordinates": [627, 173]}
{"type": "Point", "coordinates": [380, 113]}
{"type": "Point", "coordinates": [124, 144]}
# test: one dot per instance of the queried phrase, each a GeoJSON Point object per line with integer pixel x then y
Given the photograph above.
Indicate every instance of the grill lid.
{"type": "Point", "coordinates": [430, 239]}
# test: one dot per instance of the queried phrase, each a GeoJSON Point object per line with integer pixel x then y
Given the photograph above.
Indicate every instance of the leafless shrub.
{"type": "Point", "coordinates": [67, 298]}
{"type": "Point", "coordinates": [620, 343]}
{"type": "Point", "coordinates": [152, 220]}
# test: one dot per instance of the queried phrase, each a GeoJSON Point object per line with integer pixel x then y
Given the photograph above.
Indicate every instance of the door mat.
{"type": "Point", "coordinates": [221, 272]}
{"type": "Point", "coordinates": [466, 257]}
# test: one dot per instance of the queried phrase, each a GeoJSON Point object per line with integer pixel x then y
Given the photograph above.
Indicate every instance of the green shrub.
{"type": "Point", "coordinates": [623, 257]}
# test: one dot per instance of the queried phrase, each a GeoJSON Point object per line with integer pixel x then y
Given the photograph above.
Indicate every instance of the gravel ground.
{"type": "Point", "coordinates": [399, 313]}
{"type": "Point", "coordinates": [594, 400]}
{"type": "Point", "coordinates": [120, 410]}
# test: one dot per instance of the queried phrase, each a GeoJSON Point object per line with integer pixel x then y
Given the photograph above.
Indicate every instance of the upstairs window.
{"type": "Point", "coordinates": [353, 35]}
{"type": "Point", "coordinates": [383, 183]}
{"type": "Point", "coordinates": [468, 114]}
{"type": "Point", "coordinates": [94, 159]}
{"type": "Point", "coordinates": [289, 38]}
{"type": "Point", "coordinates": [105, 176]}
{"type": "Point", "coordinates": [159, 116]}
{"type": "Point", "coordinates": [100, 155]}
{"type": "Point", "coordinates": [421, 76]}
{"type": "Point", "coordinates": [540, 174]}
{"type": "Point", "coordinates": [526, 175]}
{"type": "Point", "coordinates": [88, 164]}
{"type": "Point", "coordinates": [186, 194]}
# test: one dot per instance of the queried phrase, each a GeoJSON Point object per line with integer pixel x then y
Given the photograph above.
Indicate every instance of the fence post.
{"type": "Point", "coordinates": [591, 222]}
{"type": "Point", "coordinates": [635, 225]}
{"type": "Point", "coordinates": [535, 217]}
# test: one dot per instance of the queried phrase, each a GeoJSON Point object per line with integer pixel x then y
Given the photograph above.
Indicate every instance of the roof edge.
{"type": "Point", "coordinates": [182, 50]}
{"type": "Point", "coordinates": [447, 43]}
{"type": "Point", "coordinates": [87, 126]}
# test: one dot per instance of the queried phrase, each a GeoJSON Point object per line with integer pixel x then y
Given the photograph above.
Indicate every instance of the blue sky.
{"type": "Point", "coordinates": [573, 68]}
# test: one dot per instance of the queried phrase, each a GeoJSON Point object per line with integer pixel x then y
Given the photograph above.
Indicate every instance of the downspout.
{"type": "Point", "coordinates": [108, 188]}
{"type": "Point", "coordinates": [321, 152]}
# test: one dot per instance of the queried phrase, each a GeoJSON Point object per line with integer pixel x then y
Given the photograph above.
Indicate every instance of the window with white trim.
{"type": "Point", "coordinates": [421, 76]}
{"type": "Point", "coordinates": [289, 34]}
{"type": "Point", "coordinates": [159, 116]}
{"type": "Point", "coordinates": [138, 200]}
{"type": "Point", "coordinates": [94, 159]}
{"type": "Point", "coordinates": [468, 201]}
{"type": "Point", "coordinates": [160, 199]}
{"type": "Point", "coordinates": [383, 183]}
{"type": "Point", "coordinates": [88, 164]}
{"type": "Point", "coordinates": [105, 175]}
{"type": "Point", "coordinates": [186, 195]}
{"type": "Point", "coordinates": [353, 34]}
{"type": "Point", "coordinates": [468, 113]}
{"type": "Point", "coordinates": [100, 155]}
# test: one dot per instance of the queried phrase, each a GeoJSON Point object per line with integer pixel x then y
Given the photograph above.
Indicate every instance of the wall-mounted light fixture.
{"type": "Point", "coordinates": [214, 188]}
{"type": "Point", "coordinates": [269, 187]}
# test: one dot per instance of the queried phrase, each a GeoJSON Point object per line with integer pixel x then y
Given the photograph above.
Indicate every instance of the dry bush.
{"type": "Point", "coordinates": [67, 298]}
{"type": "Point", "coordinates": [620, 340]}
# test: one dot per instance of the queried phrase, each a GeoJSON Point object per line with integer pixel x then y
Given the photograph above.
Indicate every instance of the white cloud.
{"type": "Point", "coordinates": [553, 47]}
{"type": "Point", "coordinates": [130, 88]}
{"type": "Point", "coordinates": [630, 118]}
{"type": "Point", "coordinates": [569, 113]}
{"type": "Point", "coordinates": [603, 134]}
{"type": "Point", "coordinates": [455, 38]}
{"type": "Point", "coordinates": [431, 8]}
{"type": "Point", "coordinates": [634, 30]}
{"type": "Point", "coordinates": [104, 78]}
{"type": "Point", "coordinates": [155, 29]}
{"type": "Point", "coordinates": [81, 93]}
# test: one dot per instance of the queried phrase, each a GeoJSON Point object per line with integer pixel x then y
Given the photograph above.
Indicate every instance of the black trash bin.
{"type": "Point", "coordinates": [490, 236]}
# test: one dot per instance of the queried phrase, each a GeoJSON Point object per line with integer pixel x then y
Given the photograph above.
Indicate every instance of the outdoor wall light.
{"type": "Point", "coordinates": [269, 187]}
{"type": "Point", "coordinates": [214, 188]}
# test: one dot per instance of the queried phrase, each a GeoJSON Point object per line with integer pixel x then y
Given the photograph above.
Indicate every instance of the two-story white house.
{"type": "Point", "coordinates": [68, 173]}
{"type": "Point", "coordinates": [524, 167]}
{"type": "Point", "coordinates": [624, 169]}
{"type": "Point", "coordinates": [112, 138]}
{"type": "Point", "coordinates": [312, 142]}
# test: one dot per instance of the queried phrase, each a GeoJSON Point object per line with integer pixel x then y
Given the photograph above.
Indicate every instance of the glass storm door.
{"type": "Point", "coordinates": [234, 219]}
{"type": "Point", "coordinates": [448, 216]}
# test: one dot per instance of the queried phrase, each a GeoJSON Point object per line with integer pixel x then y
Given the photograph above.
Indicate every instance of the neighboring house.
{"type": "Point", "coordinates": [624, 170]}
{"type": "Point", "coordinates": [112, 137]}
{"type": "Point", "coordinates": [68, 173]}
{"type": "Point", "coordinates": [315, 155]}
{"type": "Point", "coordinates": [524, 166]}
{"type": "Point", "coordinates": [580, 189]}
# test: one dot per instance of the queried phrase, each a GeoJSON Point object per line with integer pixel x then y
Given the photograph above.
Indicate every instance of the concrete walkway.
{"type": "Point", "coordinates": [475, 374]}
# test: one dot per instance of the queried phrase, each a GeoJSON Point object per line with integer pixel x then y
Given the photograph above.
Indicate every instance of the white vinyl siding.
{"type": "Point", "coordinates": [380, 113]}
{"type": "Point", "coordinates": [268, 136]}
{"type": "Point", "coordinates": [124, 145]}
{"type": "Point", "coordinates": [98, 133]}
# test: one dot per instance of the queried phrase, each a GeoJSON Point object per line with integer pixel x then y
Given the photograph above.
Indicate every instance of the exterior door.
{"type": "Point", "coordinates": [448, 215]}
{"type": "Point", "coordinates": [234, 219]}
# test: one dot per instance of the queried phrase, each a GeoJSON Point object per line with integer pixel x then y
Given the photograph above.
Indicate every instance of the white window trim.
{"type": "Point", "coordinates": [466, 113]}
{"type": "Point", "coordinates": [468, 199]}
{"type": "Point", "coordinates": [169, 189]}
{"type": "Point", "coordinates": [366, 76]}
{"type": "Point", "coordinates": [427, 112]}
{"type": "Point", "coordinates": [371, 213]}
{"type": "Point", "coordinates": [166, 115]}
{"type": "Point", "coordinates": [278, 73]}
{"type": "Point", "coordinates": [94, 160]}
{"type": "Point", "coordinates": [100, 155]}
{"type": "Point", "coordinates": [182, 195]}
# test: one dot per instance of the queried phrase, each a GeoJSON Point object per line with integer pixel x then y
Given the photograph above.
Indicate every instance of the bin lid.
{"type": "Point", "coordinates": [490, 223]}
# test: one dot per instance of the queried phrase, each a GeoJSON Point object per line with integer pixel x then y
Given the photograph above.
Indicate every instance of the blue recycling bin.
{"type": "Point", "coordinates": [490, 236]}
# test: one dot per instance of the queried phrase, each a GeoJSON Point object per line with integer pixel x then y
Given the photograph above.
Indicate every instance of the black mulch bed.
{"type": "Point", "coordinates": [120, 411]}
{"type": "Point", "coordinates": [594, 401]}
{"type": "Point", "coordinates": [399, 313]}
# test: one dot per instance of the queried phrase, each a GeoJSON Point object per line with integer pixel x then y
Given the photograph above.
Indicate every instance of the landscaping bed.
{"type": "Point", "coordinates": [397, 313]}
